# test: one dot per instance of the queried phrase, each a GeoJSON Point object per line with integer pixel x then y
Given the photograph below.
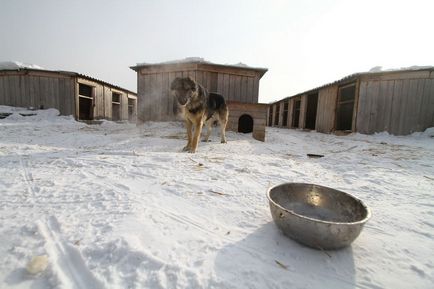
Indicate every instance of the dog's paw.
{"type": "Point", "coordinates": [186, 149]}
{"type": "Point", "coordinates": [224, 141]}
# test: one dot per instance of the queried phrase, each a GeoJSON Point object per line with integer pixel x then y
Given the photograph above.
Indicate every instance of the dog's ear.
{"type": "Point", "coordinates": [190, 84]}
{"type": "Point", "coordinates": [175, 83]}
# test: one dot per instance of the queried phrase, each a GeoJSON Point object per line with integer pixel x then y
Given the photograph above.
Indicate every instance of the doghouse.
{"type": "Point", "coordinates": [399, 102]}
{"type": "Point", "coordinates": [238, 83]}
{"type": "Point", "coordinates": [84, 97]}
{"type": "Point", "coordinates": [248, 118]}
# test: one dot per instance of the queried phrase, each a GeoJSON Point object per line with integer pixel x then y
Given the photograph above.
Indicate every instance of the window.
{"type": "Point", "coordinates": [84, 90]}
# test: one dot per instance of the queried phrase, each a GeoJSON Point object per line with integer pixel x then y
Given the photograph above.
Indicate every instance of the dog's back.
{"type": "Point", "coordinates": [215, 103]}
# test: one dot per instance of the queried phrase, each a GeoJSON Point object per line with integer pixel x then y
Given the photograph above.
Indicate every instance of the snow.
{"type": "Point", "coordinates": [12, 65]}
{"type": "Point", "coordinates": [177, 61]}
{"type": "Point", "coordinates": [193, 59]}
{"type": "Point", "coordinates": [120, 206]}
{"type": "Point", "coordinates": [376, 69]}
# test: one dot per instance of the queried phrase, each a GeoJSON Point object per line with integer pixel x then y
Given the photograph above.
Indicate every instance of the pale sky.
{"type": "Point", "coordinates": [304, 44]}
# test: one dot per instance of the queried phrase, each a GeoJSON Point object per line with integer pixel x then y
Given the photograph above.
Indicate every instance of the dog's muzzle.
{"type": "Point", "coordinates": [182, 99]}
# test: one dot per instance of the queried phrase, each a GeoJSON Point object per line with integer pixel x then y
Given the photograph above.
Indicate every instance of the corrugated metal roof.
{"type": "Point", "coordinates": [71, 73]}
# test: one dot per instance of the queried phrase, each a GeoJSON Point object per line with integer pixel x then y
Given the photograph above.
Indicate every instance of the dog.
{"type": "Point", "coordinates": [198, 107]}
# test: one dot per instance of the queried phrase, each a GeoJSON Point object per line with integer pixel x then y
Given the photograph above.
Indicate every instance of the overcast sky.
{"type": "Point", "coordinates": [304, 44]}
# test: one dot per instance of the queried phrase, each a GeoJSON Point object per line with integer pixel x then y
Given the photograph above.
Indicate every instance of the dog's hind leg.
{"type": "Point", "coordinates": [208, 130]}
{"type": "Point", "coordinates": [223, 120]}
{"type": "Point", "coordinates": [189, 126]}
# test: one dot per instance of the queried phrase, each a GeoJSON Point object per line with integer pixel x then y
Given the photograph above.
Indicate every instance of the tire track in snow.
{"type": "Point", "coordinates": [67, 262]}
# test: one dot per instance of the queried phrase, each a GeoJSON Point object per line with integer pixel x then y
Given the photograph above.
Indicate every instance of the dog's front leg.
{"type": "Point", "coordinates": [196, 137]}
{"type": "Point", "coordinates": [189, 126]}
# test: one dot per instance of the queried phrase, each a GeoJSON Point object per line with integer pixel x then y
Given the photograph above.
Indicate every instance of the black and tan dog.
{"type": "Point", "coordinates": [199, 106]}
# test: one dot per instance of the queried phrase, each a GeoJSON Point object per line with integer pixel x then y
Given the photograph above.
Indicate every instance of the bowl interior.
{"type": "Point", "coordinates": [318, 202]}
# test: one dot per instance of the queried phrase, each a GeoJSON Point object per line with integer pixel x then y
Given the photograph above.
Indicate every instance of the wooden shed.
{"type": "Point", "coordinates": [84, 97]}
{"type": "Point", "coordinates": [399, 102]}
{"type": "Point", "coordinates": [237, 83]}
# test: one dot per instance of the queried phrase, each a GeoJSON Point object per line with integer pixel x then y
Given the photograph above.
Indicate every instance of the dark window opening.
{"type": "Point", "coordinates": [296, 113]}
{"type": "Point", "coordinates": [84, 90]}
{"type": "Point", "coordinates": [245, 124]}
{"type": "Point", "coordinates": [276, 118]}
{"type": "Point", "coordinates": [345, 107]}
{"type": "Point", "coordinates": [285, 113]}
{"type": "Point", "coordinates": [116, 97]}
{"type": "Point", "coordinates": [116, 106]}
{"type": "Point", "coordinates": [311, 110]}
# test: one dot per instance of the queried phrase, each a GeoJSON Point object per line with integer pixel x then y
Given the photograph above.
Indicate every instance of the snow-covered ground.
{"type": "Point", "coordinates": [120, 206]}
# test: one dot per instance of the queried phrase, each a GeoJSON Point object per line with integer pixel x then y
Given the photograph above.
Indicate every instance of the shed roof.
{"type": "Point", "coordinates": [67, 73]}
{"type": "Point", "coordinates": [198, 60]}
{"type": "Point", "coordinates": [355, 76]}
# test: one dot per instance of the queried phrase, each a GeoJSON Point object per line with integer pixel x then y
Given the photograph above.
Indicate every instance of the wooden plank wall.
{"type": "Point", "coordinates": [29, 89]}
{"type": "Point", "coordinates": [290, 112]}
{"type": "Point", "coordinates": [326, 111]}
{"type": "Point", "coordinates": [401, 106]}
{"type": "Point", "coordinates": [238, 88]}
{"type": "Point", "coordinates": [156, 103]}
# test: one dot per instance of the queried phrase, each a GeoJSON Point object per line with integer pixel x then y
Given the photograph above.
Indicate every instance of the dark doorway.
{"type": "Point", "coordinates": [85, 102]}
{"type": "Point", "coordinates": [296, 113]}
{"type": "Point", "coordinates": [312, 105]}
{"type": "Point", "coordinates": [345, 107]}
{"type": "Point", "coordinates": [131, 109]}
{"type": "Point", "coordinates": [245, 124]}
{"type": "Point", "coordinates": [276, 118]}
{"type": "Point", "coordinates": [116, 106]}
{"type": "Point", "coordinates": [85, 108]}
{"type": "Point", "coordinates": [285, 113]}
{"type": "Point", "coordinates": [270, 116]}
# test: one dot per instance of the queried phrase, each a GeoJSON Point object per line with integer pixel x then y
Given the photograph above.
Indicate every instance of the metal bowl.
{"type": "Point", "coordinates": [317, 216]}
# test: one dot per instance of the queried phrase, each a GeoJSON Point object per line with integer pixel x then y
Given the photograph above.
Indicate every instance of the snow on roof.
{"type": "Point", "coordinates": [4, 65]}
{"type": "Point", "coordinates": [178, 61]}
{"type": "Point", "coordinates": [376, 69]}
{"type": "Point", "coordinates": [198, 60]}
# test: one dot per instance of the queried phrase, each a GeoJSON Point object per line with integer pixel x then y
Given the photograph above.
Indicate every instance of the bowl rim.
{"type": "Point", "coordinates": [364, 220]}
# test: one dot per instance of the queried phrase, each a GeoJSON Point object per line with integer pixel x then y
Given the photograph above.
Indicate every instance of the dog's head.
{"type": "Point", "coordinates": [183, 89]}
